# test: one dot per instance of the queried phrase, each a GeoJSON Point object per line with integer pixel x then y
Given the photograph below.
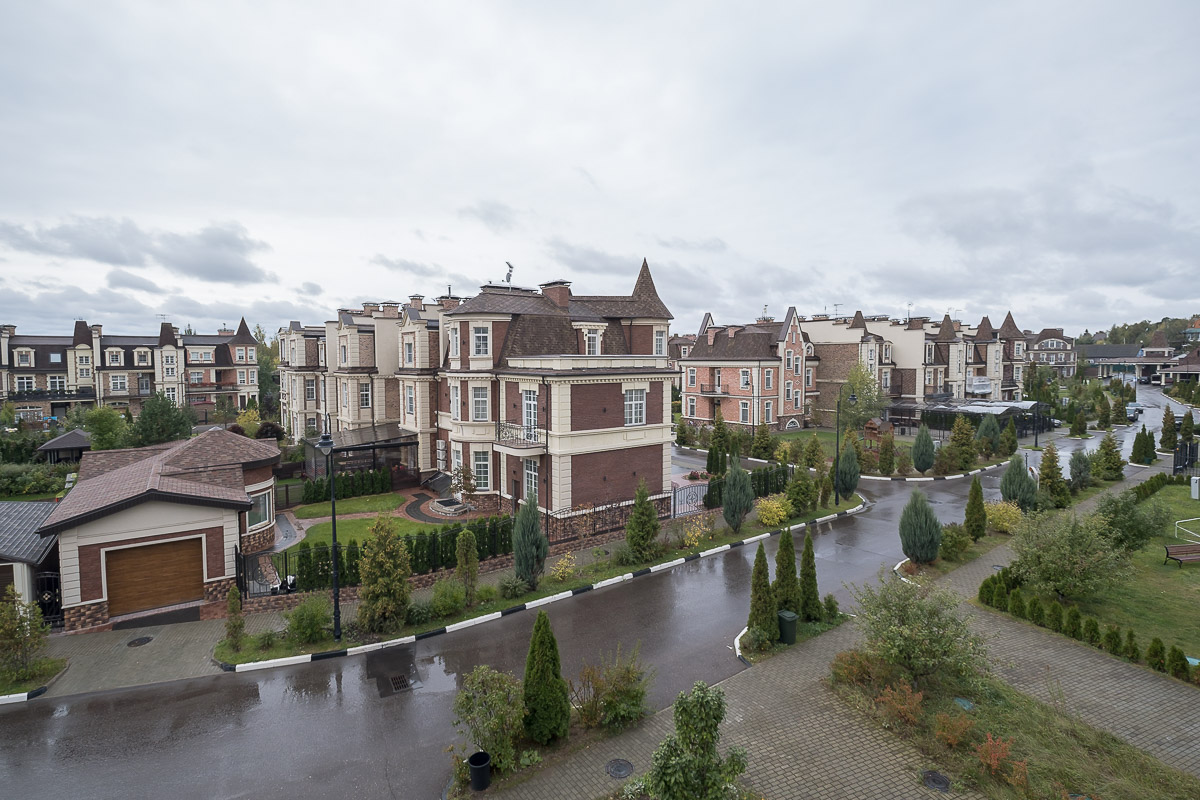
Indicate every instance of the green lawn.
{"type": "Point", "coordinates": [322, 532]}
{"type": "Point", "coordinates": [281, 649]}
{"type": "Point", "coordinates": [1158, 600]}
{"type": "Point", "coordinates": [47, 669]}
{"type": "Point", "coordinates": [373, 503]}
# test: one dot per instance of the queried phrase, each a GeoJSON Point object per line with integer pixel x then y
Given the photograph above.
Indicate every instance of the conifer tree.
{"type": "Point", "coordinates": [976, 519]}
{"type": "Point", "coordinates": [1166, 440]}
{"type": "Point", "coordinates": [642, 528]}
{"type": "Point", "coordinates": [762, 446]}
{"type": "Point", "coordinates": [466, 563]}
{"type": "Point", "coordinates": [1187, 430]}
{"type": "Point", "coordinates": [810, 599]}
{"type": "Point", "coordinates": [1079, 424]}
{"type": "Point", "coordinates": [846, 479]}
{"type": "Point", "coordinates": [738, 496]}
{"type": "Point", "coordinates": [962, 444]}
{"type": "Point", "coordinates": [801, 492]}
{"type": "Point", "coordinates": [826, 491]}
{"type": "Point", "coordinates": [1108, 462]}
{"type": "Point", "coordinates": [383, 591]}
{"type": "Point", "coordinates": [922, 451]}
{"type": "Point", "coordinates": [786, 587]}
{"type": "Point", "coordinates": [1103, 414]}
{"type": "Point", "coordinates": [920, 531]}
{"type": "Point", "coordinates": [1118, 411]}
{"type": "Point", "coordinates": [529, 545]}
{"type": "Point", "coordinates": [1081, 469]}
{"type": "Point", "coordinates": [1050, 479]}
{"type": "Point", "coordinates": [1016, 486]}
{"type": "Point", "coordinates": [814, 454]}
{"type": "Point", "coordinates": [718, 444]}
{"type": "Point", "coordinates": [887, 454]}
{"type": "Point", "coordinates": [762, 599]}
{"type": "Point", "coordinates": [987, 437]}
{"type": "Point", "coordinates": [547, 701]}
{"type": "Point", "coordinates": [1143, 447]}
{"type": "Point", "coordinates": [1008, 439]}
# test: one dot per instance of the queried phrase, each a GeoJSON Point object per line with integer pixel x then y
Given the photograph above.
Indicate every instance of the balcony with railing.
{"type": "Point", "coordinates": [713, 389]}
{"type": "Point", "coordinates": [82, 393]}
{"type": "Point", "coordinates": [516, 436]}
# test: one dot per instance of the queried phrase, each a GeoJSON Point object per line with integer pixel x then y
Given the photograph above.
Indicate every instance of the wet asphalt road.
{"type": "Point", "coordinates": [336, 725]}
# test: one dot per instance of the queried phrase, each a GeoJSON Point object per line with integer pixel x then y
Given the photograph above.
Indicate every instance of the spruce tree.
{"type": "Point", "coordinates": [466, 563]}
{"type": "Point", "coordinates": [1103, 414]}
{"type": "Point", "coordinates": [1079, 424]}
{"type": "Point", "coordinates": [1108, 462]}
{"type": "Point", "coordinates": [922, 451]}
{"type": "Point", "coordinates": [1016, 486]}
{"type": "Point", "coordinates": [1008, 439]}
{"type": "Point", "coordinates": [1166, 440]}
{"type": "Point", "coordinates": [1050, 479]}
{"type": "Point", "coordinates": [814, 454]}
{"type": "Point", "coordinates": [920, 531]}
{"type": "Point", "coordinates": [383, 591]}
{"type": "Point", "coordinates": [976, 519]}
{"type": "Point", "coordinates": [547, 701]}
{"type": "Point", "coordinates": [962, 444]}
{"type": "Point", "coordinates": [786, 587]}
{"type": "Point", "coordinates": [738, 496]}
{"type": "Point", "coordinates": [529, 545]}
{"type": "Point", "coordinates": [1187, 430]}
{"type": "Point", "coordinates": [887, 454]}
{"type": "Point", "coordinates": [810, 599]}
{"type": "Point", "coordinates": [762, 600]}
{"type": "Point", "coordinates": [718, 444]}
{"type": "Point", "coordinates": [1118, 411]}
{"type": "Point", "coordinates": [826, 491]}
{"type": "Point", "coordinates": [1081, 469]}
{"type": "Point", "coordinates": [801, 492]}
{"type": "Point", "coordinates": [1143, 447]}
{"type": "Point", "coordinates": [987, 436]}
{"type": "Point", "coordinates": [846, 479]}
{"type": "Point", "coordinates": [762, 446]}
{"type": "Point", "coordinates": [641, 530]}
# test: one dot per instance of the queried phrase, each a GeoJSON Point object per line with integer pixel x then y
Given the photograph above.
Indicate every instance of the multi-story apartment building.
{"type": "Point", "coordinates": [761, 373]}
{"type": "Point", "coordinates": [1051, 349]}
{"type": "Point", "coordinates": [302, 379]}
{"type": "Point", "coordinates": [678, 348]}
{"type": "Point", "coordinates": [45, 376]}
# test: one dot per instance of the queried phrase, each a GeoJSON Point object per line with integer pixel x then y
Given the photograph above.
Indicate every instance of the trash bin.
{"type": "Point", "coordinates": [787, 627]}
{"type": "Point", "coordinates": [480, 767]}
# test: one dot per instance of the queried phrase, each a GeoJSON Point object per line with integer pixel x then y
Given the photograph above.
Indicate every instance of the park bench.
{"type": "Point", "coordinates": [1182, 553]}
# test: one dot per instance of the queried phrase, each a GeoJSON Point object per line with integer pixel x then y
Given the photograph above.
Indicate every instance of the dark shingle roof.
{"type": "Point", "coordinates": [749, 342]}
{"type": "Point", "coordinates": [985, 332]}
{"type": "Point", "coordinates": [77, 439]}
{"type": "Point", "coordinates": [1108, 350]}
{"type": "Point", "coordinates": [1009, 329]}
{"type": "Point", "coordinates": [19, 539]}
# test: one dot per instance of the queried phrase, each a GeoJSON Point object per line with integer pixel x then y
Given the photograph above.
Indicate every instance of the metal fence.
{"type": "Point", "coordinates": [1186, 458]}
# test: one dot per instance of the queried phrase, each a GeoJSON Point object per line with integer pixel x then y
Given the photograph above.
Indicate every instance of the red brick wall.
{"type": "Point", "coordinates": [598, 405]}
{"type": "Point", "coordinates": [91, 586]}
{"type": "Point", "coordinates": [613, 476]}
{"type": "Point", "coordinates": [499, 331]}
{"type": "Point", "coordinates": [641, 339]}
{"type": "Point", "coordinates": [654, 403]}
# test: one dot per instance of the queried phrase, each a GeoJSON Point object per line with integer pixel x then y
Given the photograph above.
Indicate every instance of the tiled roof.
{"type": "Point", "coordinates": [1009, 329]}
{"type": "Point", "coordinates": [76, 439]}
{"type": "Point", "coordinates": [19, 539]}
{"type": "Point", "coordinates": [750, 342]}
{"type": "Point", "coordinates": [985, 332]}
{"type": "Point", "coordinates": [204, 470]}
{"type": "Point", "coordinates": [946, 331]}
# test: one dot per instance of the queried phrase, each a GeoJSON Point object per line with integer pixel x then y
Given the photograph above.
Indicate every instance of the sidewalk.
{"type": "Point", "coordinates": [803, 742]}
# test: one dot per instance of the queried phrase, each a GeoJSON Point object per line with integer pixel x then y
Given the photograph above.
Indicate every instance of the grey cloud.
{"type": "Point", "coordinates": [218, 253]}
{"type": "Point", "coordinates": [588, 259]}
{"type": "Point", "coordinates": [405, 265]}
{"type": "Point", "coordinates": [498, 217]}
{"type": "Point", "coordinates": [310, 288]}
{"type": "Point", "coordinates": [711, 245]}
{"type": "Point", "coordinates": [123, 279]}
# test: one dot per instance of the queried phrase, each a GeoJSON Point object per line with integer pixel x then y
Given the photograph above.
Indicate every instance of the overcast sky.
{"type": "Point", "coordinates": [210, 160]}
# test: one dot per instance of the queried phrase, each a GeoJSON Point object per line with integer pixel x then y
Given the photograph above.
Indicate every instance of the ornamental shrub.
{"type": "Point", "coordinates": [1050, 479]}
{"type": "Point", "coordinates": [975, 523]}
{"type": "Point", "coordinates": [1156, 655]}
{"type": "Point", "coordinates": [1054, 616]}
{"type": "Point", "coordinates": [1167, 438]}
{"type": "Point", "coordinates": [773, 510]}
{"type": "Point", "coordinates": [1081, 470]}
{"type": "Point", "coordinates": [1107, 463]}
{"type": "Point", "coordinates": [762, 599]}
{"type": "Point", "coordinates": [987, 437]}
{"type": "Point", "coordinates": [1000, 597]}
{"type": "Point", "coordinates": [530, 546]}
{"type": "Point", "coordinates": [547, 701]}
{"type": "Point", "coordinates": [512, 587]}
{"type": "Point", "coordinates": [1073, 626]}
{"type": "Point", "coordinates": [308, 623]}
{"type": "Point", "coordinates": [1035, 611]}
{"type": "Point", "coordinates": [984, 594]}
{"type": "Point", "coordinates": [449, 598]}
{"type": "Point", "coordinates": [1008, 439]}
{"type": "Point", "coordinates": [738, 496]}
{"type": "Point", "coordinates": [235, 623]}
{"type": "Point", "coordinates": [801, 492]}
{"type": "Point", "coordinates": [384, 568]}
{"type": "Point", "coordinates": [920, 531]}
{"type": "Point", "coordinates": [1091, 632]}
{"type": "Point", "coordinates": [826, 491]}
{"type": "Point", "coordinates": [887, 454]}
{"type": "Point", "coordinates": [1002, 517]}
{"type": "Point", "coordinates": [962, 445]}
{"type": "Point", "coordinates": [1177, 664]}
{"type": "Point", "coordinates": [688, 765]}
{"type": "Point", "coordinates": [903, 461]}
{"type": "Point", "coordinates": [810, 606]}
{"type": "Point", "coordinates": [466, 567]}
{"type": "Point", "coordinates": [1016, 604]}
{"type": "Point", "coordinates": [955, 541]}
{"type": "Point", "coordinates": [1016, 486]}
{"type": "Point", "coordinates": [488, 712]}
{"type": "Point", "coordinates": [1112, 640]}
{"type": "Point", "coordinates": [1132, 651]}
{"type": "Point", "coordinates": [642, 528]}
{"type": "Point", "coordinates": [419, 612]}
{"type": "Point", "coordinates": [23, 635]}
{"type": "Point", "coordinates": [845, 481]}
{"type": "Point", "coordinates": [786, 587]}
{"type": "Point", "coordinates": [922, 451]}
{"type": "Point", "coordinates": [830, 607]}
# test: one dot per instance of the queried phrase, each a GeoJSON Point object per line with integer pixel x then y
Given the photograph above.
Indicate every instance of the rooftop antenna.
{"type": "Point", "coordinates": [448, 290]}
{"type": "Point", "coordinates": [508, 277]}
{"type": "Point", "coordinates": [836, 306]}
{"type": "Point", "coordinates": [909, 312]}
{"type": "Point", "coordinates": [764, 311]}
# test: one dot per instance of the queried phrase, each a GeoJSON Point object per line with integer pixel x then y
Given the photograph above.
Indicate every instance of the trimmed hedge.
{"type": "Point", "coordinates": [349, 484]}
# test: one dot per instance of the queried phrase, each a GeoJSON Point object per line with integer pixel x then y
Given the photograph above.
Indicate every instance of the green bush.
{"type": "Point", "coordinates": [547, 700]}
{"type": "Point", "coordinates": [266, 640]}
{"type": "Point", "coordinates": [1054, 616]}
{"type": "Point", "coordinates": [512, 587]}
{"type": "Point", "coordinates": [832, 612]}
{"type": "Point", "coordinates": [688, 765]}
{"type": "Point", "coordinates": [786, 587]}
{"type": "Point", "coordinates": [1016, 604]}
{"type": "Point", "coordinates": [309, 622]}
{"type": "Point", "coordinates": [1156, 655]}
{"type": "Point", "coordinates": [955, 541]}
{"type": "Point", "coordinates": [419, 613]}
{"type": "Point", "coordinates": [1073, 627]}
{"type": "Point", "coordinates": [739, 498]}
{"type": "Point", "coordinates": [1132, 651]}
{"type": "Point", "coordinates": [624, 556]}
{"type": "Point", "coordinates": [384, 569]}
{"type": "Point", "coordinates": [487, 593]}
{"type": "Point", "coordinates": [488, 712]}
{"type": "Point", "coordinates": [642, 528]}
{"type": "Point", "coordinates": [1091, 632]}
{"type": "Point", "coordinates": [1035, 611]}
{"type": "Point", "coordinates": [986, 589]}
{"type": "Point", "coordinates": [1177, 664]}
{"type": "Point", "coordinates": [756, 640]}
{"type": "Point", "coordinates": [449, 598]}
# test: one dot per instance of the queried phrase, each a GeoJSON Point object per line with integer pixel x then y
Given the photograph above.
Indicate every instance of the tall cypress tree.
{"type": "Point", "coordinates": [1167, 438]}
{"type": "Point", "coordinates": [547, 701]}
{"type": "Point", "coordinates": [976, 519]}
{"type": "Point", "coordinates": [962, 444]}
{"type": "Point", "coordinates": [1187, 430]}
{"type": "Point", "coordinates": [1008, 439]}
{"type": "Point", "coordinates": [529, 545]}
{"type": "Point", "coordinates": [920, 531]}
{"type": "Point", "coordinates": [922, 451]}
{"type": "Point", "coordinates": [887, 454]}
{"type": "Point", "coordinates": [762, 599]}
{"type": "Point", "coordinates": [641, 530]}
{"type": "Point", "coordinates": [810, 598]}
{"type": "Point", "coordinates": [717, 445]}
{"type": "Point", "coordinates": [846, 479]}
{"type": "Point", "coordinates": [786, 587]}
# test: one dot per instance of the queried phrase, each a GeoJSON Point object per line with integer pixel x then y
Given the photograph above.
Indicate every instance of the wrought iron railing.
{"type": "Point", "coordinates": [516, 433]}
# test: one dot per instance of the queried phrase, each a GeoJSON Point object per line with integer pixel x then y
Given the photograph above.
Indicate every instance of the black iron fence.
{"type": "Point", "coordinates": [1186, 458]}
{"type": "Point", "coordinates": [690, 499]}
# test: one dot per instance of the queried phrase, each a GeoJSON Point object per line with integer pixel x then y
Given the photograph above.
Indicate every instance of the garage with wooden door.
{"type": "Point", "coordinates": [154, 575]}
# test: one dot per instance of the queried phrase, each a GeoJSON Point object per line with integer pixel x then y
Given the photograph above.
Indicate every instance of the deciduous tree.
{"type": "Point", "coordinates": [688, 764]}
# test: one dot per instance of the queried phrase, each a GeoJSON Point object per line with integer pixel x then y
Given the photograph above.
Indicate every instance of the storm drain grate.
{"type": "Point", "coordinates": [400, 683]}
{"type": "Point", "coordinates": [139, 641]}
{"type": "Point", "coordinates": [619, 768]}
{"type": "Point", "coordinates": [936, 780]}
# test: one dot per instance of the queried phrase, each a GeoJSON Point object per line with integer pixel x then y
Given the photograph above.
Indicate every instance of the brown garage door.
{"type": "Point", "coordinates": [6, 577]}
{"type": "Point", "coordinates": [154, 575]}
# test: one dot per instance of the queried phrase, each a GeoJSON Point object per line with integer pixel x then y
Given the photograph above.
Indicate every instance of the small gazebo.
{"type": "Point", "coordinates": [68, 447]}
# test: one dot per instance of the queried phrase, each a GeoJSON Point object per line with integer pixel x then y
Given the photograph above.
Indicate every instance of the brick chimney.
{"type": "Point", "coordinates": [370, 308]}
{"type": "Point", "coordinates": [390, 310]}
{"type": "Point", "coordinates": [712, 335]}
{"type": "Point", "coordinates": [558, 292]}
{"type": "Point", "coordinates": [416, 301]}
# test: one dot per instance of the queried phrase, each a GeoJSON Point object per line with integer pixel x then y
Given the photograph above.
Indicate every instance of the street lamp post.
{"type": "Point", "coordinates": [325, 445]}
{"type": "Point", "coordinates": [837, 448]}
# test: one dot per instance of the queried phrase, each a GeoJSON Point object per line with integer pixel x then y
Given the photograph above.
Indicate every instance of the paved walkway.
{"type": "Point", "coordinates": [803, 742]}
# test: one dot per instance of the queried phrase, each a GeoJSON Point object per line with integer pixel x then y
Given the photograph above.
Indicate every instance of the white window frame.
{"type": "Point", "coordinates": [168, 360]}
{"type": "Point", "coordinates": [455, 402]}
{"type": "Point", "coordinates": [808, 377]}
{"type": "Point", "coordinates": [635, 407]}
{"type": "Point", "coordinates": [768, 379]}
{"type": "Point", "coordinates": [787, 390]}
{"type": "Point", "coordinates": [114, 358]}
{"type": "Point", "coordinates": [745, 379]}
{"type": "Point", "coordinates": [410, 400]}
{"type": "Point", "coordinates": [26, 383]}
{"type": "Point", "coordinates": [481, 337]}
{"type": "Point", "coordinates": [169, 391]}
{"type": "Point", "coordinates": [531, 480]}
{"type": "Point", "coordinates": [768, 412]}
{"type": "Point", "coordinates": [241, 373]}
{"type": "Point", "coordinates": [168, 372]}
{"type": "Point", "coordinates": [481, 470]}
{"type": "Point", "coordinates": [83, 360]}
{"type": "Point", "coordinates": [268, 515]}
{"type": "Point", "coordinates": [196, 376]}
{"type": "Point", "coordinates": [24, 358]}
{"type": "Point", "coordinates": [343, 353]}
{"type": "Point", "coordinates": [660, 343]}
{"type": "Point", "coordinates": [85, 372]}
{"type": "Point", "coordinates": [787, 360]}
{"type": "Point", "coordinates": [691, 376]}
{"type": "Point", "coordinates": [56, 358]}
{"type": "Point", "coordinates": [691, 407]}
{"type": "Point", "coordinates": [310, 388]}
{"type": "Point", "coordinates": [364, 394]}
{"type": "Point", "coordinates": [240, 354]}
{"type": "Point", "coordinates": [591, 342]}
{"type": "Point", "coordinates": [57, 383]}
{"type": "Point", "coordinates": [250, 355]}
{"type": "Point", "coordinates": [345, 394]}
{"type": "Point", "coordinates": [479, 403]}
{"type": "Point", "coordinates": [744, 412]}
{"type": "Point", "coordinates": [409, 353]}
{"type": "Point", "coordinates": [453, 334]}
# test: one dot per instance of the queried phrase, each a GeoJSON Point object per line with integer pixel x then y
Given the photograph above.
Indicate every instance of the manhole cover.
{"type": "Point", "coordinates": [400, 683]}
{"type": "Point", "coordinates": [619, 768]}
{"type": "Point", "coordinates": [936, 780]}
{"type": "Point", "coordinates": [139, 641]}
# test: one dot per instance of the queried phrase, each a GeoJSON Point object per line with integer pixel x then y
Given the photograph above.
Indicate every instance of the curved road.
{"type": "Point", "coordinates": [338, 725]}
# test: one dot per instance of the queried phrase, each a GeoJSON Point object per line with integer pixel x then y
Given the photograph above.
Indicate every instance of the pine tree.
{"type": "Point", "coordinates": [1079, 424]}
{"type": "Point", "coordinates": [962, 444]}
{"type": "Point", "coordinates": [762, 446]}
{"type": "Point", "coordinates": [887, 454]}
{"type": "Point", "coordinates": [641, 530]}
{"type": "Point", "coordinates": [1118, 411]}
{"type": "Point", "coordinates": [1016, 486]}
{"type": "Point", "coordinates": [814, 454]}
{"type": "Point", "coordinates": [1108, 463]}
{"type": "Point", "coordinates": [383, 591]}
{"type": "Point", "coordinates": [810, 598]}
{"type": "Point", "coordinates": [547, 701]}
{"type": "Point", "coordinates": [1081, 469]}
{"type": "Point", "coordinates": [846, 479]}
{"type": "Point", "coordinates": [786, 587]}
{"type": "Point", "coordinates": [738, 496]}
{"type": "Point", "coordinates": [1187, 430]}
{"type": "Point", "coordinates": [529, 545]}
{"type": "Point", "coordinates": [801, 492]}
{"type": "Point", "coordinates": [1050, 479]}
{"type": "Point", "coordinates": [988, 436]}
{"type": "Point", "coordinates": [1008, 439]}
{"type": "Point", "coordinates": [717, 445]}
{"type": "Point", "coordinates": [826, 491]}
{"type": "Point", "coordinates": [976, 519]}
{"type": "Point", "coordinates": [922, 451]}
{"type": "Point", "coordinates": [1103, 414]}
{"type": "Point", "coordinates": [920, 531]}
{"type": "Point", "coordinates": [1166, 440]}
{"type": "Point", "coordinates": [466, 563]}
{"type": "Point", "coordinates": [762, 600]}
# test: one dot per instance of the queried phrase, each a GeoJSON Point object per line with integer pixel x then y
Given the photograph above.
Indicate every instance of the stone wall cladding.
{"type": "Point", "coordinates": [392, 402]}
{"type": "Point", "coordinates": [217, 591]}
{"type": "Point", "coordinates": [366, 350]}
{"type": "Point", "coordinates": [90, 616]}
{"type": "Point", "coordinates": [258, 541]}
